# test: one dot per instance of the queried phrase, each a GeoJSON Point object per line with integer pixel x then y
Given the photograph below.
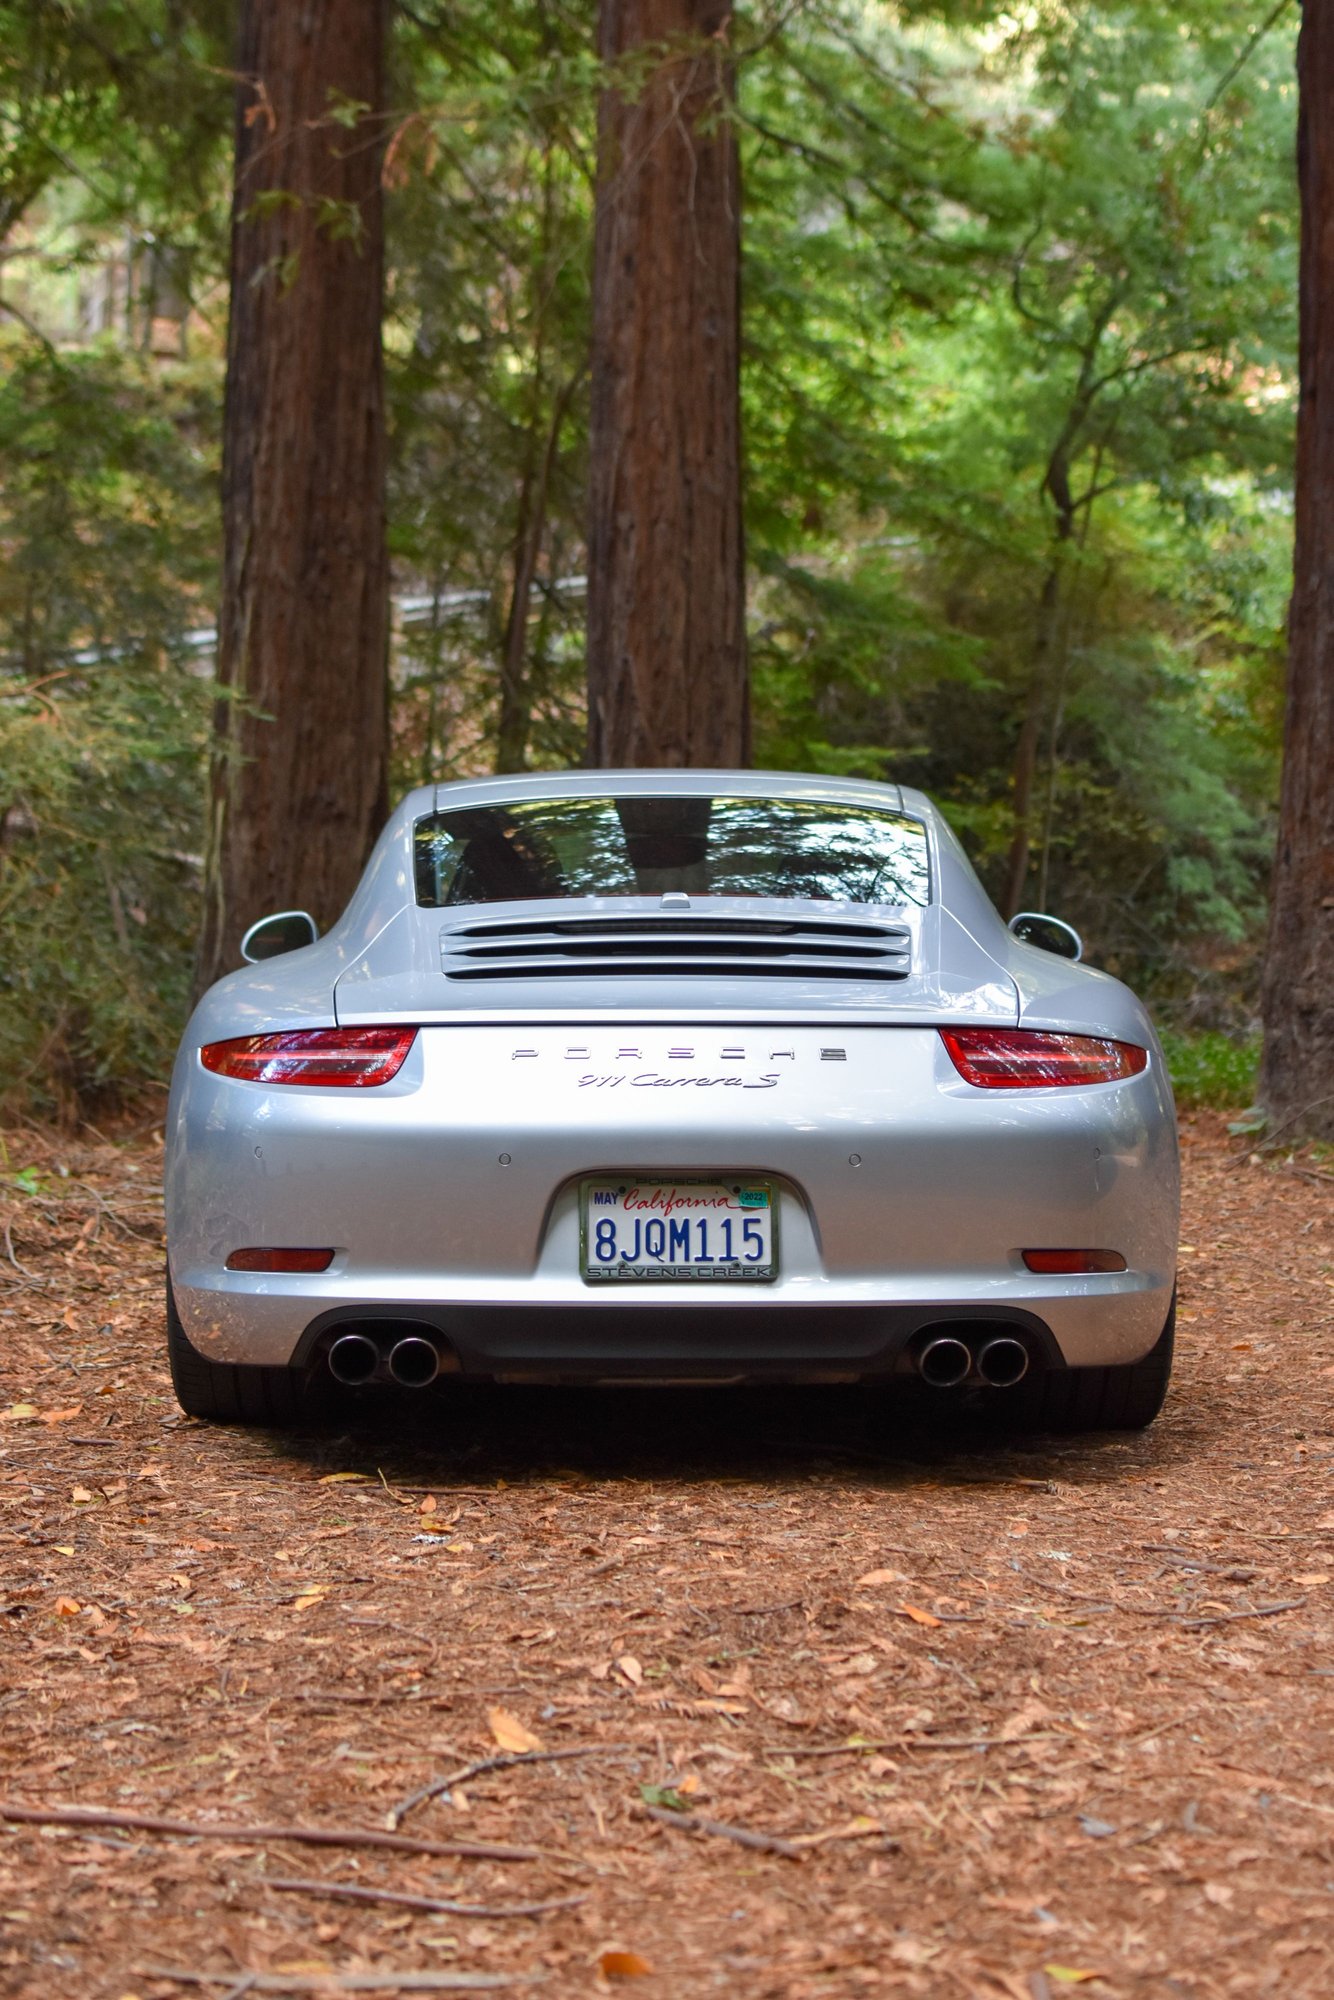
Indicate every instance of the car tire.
{"type": "Point", "coordinates": [224, 1393]}
{"type": "Point", "coordinates": [1123, 1398]}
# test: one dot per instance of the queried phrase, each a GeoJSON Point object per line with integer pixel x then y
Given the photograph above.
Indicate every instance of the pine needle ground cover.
{"type": "Point", "coordinates": [737, 1694]}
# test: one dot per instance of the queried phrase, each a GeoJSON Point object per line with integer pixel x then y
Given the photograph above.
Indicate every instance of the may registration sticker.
{"type": "Point", "coordinates": [685, 1231]}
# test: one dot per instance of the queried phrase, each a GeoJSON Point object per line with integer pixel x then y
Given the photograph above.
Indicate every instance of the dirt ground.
{"type": "Point", "coordinates": [1007, 1719]}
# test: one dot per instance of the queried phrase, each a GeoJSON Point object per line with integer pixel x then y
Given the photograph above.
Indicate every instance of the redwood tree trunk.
{"type": "Point", "coordinates": [1297, 1076]}
{"type": "Point", "coordinates": [667, 680]}
{"type": "Point", "coordinates": [298, 779]}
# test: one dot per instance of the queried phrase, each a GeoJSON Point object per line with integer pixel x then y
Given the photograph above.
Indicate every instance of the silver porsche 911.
{"type": "Point", "coordinates": [672, 1076]}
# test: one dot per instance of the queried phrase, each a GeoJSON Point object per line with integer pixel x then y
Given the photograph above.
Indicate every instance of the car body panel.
{"type": "Point", "coordinates": [906, 1195]}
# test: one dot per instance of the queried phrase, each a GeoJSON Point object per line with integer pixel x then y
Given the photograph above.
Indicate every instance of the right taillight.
{"type": "Point", "coordinates": [1030, 1058]}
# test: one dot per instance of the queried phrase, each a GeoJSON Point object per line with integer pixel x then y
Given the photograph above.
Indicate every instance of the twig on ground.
{"type": "Point", "coordinates": [1230, 1617]}
{"type": "Point", "coordinates": [9, 1252]}
{"type": "Point", "coordinates": [1235, 1573]}
{"type": "Point", "coordinates": [438, 1905]}
{"type": "Point", "coordinates": [345, 1982]}
{"type": "Point", "coordinates": [909, 1743]}
{"type": "Point", "coordinates": [438, 1786]}
{"type": "Point", "coordinates": [310, 1836]}
{"type": "Point", "coordinates": [764, 1843]}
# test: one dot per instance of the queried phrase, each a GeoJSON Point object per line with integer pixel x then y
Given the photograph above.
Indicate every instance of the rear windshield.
{"type": "Point", "coordinates": [637, 846]}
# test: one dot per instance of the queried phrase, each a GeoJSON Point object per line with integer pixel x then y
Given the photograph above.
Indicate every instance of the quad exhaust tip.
{"type": "Point", "coordinates": [357, 1358]}
{"type": "Point", "coordinates": [944, 1362]}
{"type": "Point", "coordinates": [353, 1359]}
{"type": "Point", "coordinates": [414, 1362]}
{"type": "Point", "coordinates": [947, 1359]}
{"type": "Point", "coordinates": [1003, 1361]}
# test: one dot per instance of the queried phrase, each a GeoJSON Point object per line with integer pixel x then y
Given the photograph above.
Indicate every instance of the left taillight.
{"type": "Point", "coordinates": [350, 1058]}
{"type": "Point", "coordinates": [1030, 1059]}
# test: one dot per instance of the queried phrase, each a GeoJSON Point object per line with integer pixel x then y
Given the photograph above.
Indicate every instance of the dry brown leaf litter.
{"type": "Point", "coordinates": [779, 1695]}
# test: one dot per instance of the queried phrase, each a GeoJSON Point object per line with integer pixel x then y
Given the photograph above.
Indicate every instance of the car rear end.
{"type": "Point", "coordinates": [676, 1137]}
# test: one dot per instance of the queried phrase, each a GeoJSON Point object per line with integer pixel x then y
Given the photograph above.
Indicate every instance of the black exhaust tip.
{"type": "Point", "coordinates": [353, 1359]}
{"type": "Point", "coordinates": [413, 1361]}
{"type": "Point", "coordinates": [1003, 1361]}
{"type": "Point", "coordinates": [944, 1362]}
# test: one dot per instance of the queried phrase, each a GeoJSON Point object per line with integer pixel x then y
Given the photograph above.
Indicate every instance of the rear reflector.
{"type": "Point", "coordinates": [349, 1057]}
{"type": "Point", "coordinates": [280, 1260]}
{"type": "Point", "coordinates": [1069, 1261]}
{"type": "Point", "coordinates": [1028, 1058]}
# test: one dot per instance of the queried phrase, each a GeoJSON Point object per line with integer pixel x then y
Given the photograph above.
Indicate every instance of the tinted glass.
{"type": "Point", "coordinates": [638, 846]}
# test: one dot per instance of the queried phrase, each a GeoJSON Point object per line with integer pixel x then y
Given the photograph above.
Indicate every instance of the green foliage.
{"type": "Point", "coordinates": [1026, 440]}
{"type": "Point", "coordinates": [1018, 327]}
{"type": "Point", "coordinates": [1212, 1071]}
{"type": "Point", "coordinates": [106, 521]}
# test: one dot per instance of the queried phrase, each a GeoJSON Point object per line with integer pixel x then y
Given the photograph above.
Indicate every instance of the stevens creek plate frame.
{"type": "Point", "coordinates": [687, 1274]}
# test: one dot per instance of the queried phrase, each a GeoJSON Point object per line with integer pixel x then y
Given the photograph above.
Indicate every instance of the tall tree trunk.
{"type": "Point", "coordinates": [667, 679]}
{"type": "Point", "coordinates": [298, 778]}
{"type": "Point", "coordinates": [516, 693]}
{"type": "Point", "coordinates": [1046, 644]}
{"type": "Point", "coordinates": [1297, 1075]}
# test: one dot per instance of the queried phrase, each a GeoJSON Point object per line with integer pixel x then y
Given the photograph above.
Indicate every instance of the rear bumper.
{"type": "Point", "coordinates": [451, 1196]}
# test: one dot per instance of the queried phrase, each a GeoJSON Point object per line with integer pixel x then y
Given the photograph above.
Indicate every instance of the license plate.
{"type": "Point", "coordinates": [686, 1231]}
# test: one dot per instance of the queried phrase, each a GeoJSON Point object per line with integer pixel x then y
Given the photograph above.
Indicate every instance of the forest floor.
{"type": "Point", "coordinates": [1006, 1719]}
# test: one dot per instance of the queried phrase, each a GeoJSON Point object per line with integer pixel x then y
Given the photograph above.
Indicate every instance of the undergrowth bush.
{"type": "Point", "coordinates": [1211, 1070]}
{"type": "Point", "coordinates": [106, 519]}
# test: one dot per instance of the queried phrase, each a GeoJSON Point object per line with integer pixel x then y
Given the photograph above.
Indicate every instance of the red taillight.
{"type": "Point", "coordinates": [280, 1260]}
{"type": "Point", "coordinates": [1027, 1058]}
{"type": "Point", "coordinates": [1068, 1262]}
{"type": "Point", "coordinates": [352, 1057]}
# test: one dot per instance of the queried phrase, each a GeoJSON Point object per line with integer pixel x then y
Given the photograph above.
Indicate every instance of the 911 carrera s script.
{"type": "Point", "coordinates": [660, 1231]}
{"type": "Point", "coordinates": [651, 1080]}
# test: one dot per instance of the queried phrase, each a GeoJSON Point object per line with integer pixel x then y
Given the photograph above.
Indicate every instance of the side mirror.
{"type": "Point", "coordinates": [272, 936]}
{"type": "Point", "coordinates": [1048, 933]}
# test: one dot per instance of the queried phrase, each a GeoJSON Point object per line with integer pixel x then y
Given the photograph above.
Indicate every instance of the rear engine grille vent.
{"type": "Point", "coordinates": [718, 947]}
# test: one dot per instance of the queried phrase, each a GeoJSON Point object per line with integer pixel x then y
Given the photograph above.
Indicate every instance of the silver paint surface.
{"type": "Point", "coordinates": [458, 1182]}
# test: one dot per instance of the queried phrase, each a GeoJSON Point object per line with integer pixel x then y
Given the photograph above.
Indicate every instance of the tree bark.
{"type": "Point", "coordinates": [1297, 1073]}
{"type": "Point", "coordinates": [667, 677]}
{"type": "Point", "coordinates": [1046, 642]}
{"type": "Point", "coordinates": [299, 766]}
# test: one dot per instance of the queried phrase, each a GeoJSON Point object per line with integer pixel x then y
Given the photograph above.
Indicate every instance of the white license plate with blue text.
{"type": "Point", "coordinates": [685, 1230]}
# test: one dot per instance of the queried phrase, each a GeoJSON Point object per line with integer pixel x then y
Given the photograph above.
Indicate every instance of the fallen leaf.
{"type": "Point", "coordinates": [81, 1496]}
{"type": "Point", "coordinates": [1070, 1975]}
{"type": "Point", "coordinates": [61, 1416]}
{"type": "Point", "coordinates": [510, 1733]}
{"type": "Point", "coordinates": [623, 1965]}
{"type": "Point", "coordinates": [918, 1616]}
{"type": "Point", "coordinates": [18, 1413]}
{"type": "Point", "coordinates": [67, 1607]}
{"type": "Point", "coordinates": [631, 1668]}
{"type": "Point", "coordinates": [64, 1548]}
{"type": "Point", "coordinates": [1218, 1893]}
{"type": "Point", "coordinates": [689, 1785]}
{"type": "Point", "coordinates": [341, 1478]}
{"type": "Point", "coordinates": [874, 1577]}
{"type": "Point", "coordinates": [1311, 1582]}
{"type": "Point", "coordinates": [1023, 1719]}
{"type": "Point", "coordinates": [314, 1593]}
